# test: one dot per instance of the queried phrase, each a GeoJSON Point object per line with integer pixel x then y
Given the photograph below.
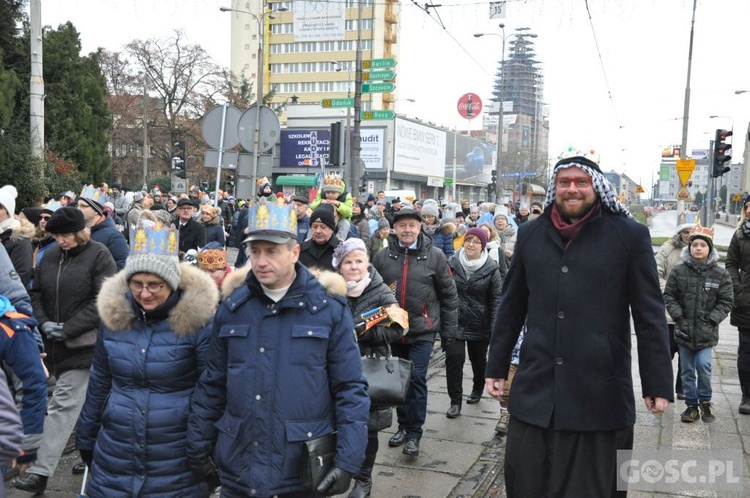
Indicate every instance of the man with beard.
{"type": "Point", "coordinates": [578, 273]}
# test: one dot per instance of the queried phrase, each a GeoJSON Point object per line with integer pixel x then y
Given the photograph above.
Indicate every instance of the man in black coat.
{"type": "Point", "coordinates": [578, 273]}
{"type": "Point", "coordinates": [317, 251]}
{"type": "Point", "coordinates": [192, 233]}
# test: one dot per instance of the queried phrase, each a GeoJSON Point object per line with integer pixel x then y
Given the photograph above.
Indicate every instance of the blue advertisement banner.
{"type": "Point", "coordinates": [299, 145]}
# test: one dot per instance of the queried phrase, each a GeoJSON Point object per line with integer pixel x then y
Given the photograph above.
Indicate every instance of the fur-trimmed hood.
{"type": "Point", "coordinates": [195, 309]}
{"type": "Point", "coordinates": [332, 282]}
{"type": "Point", "coordinates": [22, 231]}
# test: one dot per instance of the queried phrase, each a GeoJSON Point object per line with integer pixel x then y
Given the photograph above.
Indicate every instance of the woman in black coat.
{"type": "Point", "coordinates": [478, 283]}
{"type": "Point", "coordinates": [366, 290]}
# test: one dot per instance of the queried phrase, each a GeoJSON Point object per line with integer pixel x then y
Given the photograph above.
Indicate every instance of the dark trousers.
{"type": "Point", "coordinates": [455, 356]}
{"type": "Point", "coordinates": [412, 415]}
{"type": "Point", "coordinates": [675, 350]}
{"type": "Point", "coordinates": [543, 462]}
{"type": "Point", "coordinates": [743, 361]}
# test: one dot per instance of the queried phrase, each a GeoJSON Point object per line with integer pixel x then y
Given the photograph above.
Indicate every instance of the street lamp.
{"type": "Point", "coordinates": [347, 141]}
{"type": "Point", "coordinates": [500, 110]}
{"type": "Point", "coordinates": [259, 81]}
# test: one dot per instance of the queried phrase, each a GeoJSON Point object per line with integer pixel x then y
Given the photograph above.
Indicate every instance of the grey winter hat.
{"type": "Point", "coordinates": [166, 267]}
{"type": "Point", "coordinates": [430, 207]}
{"type": "Point", "coordinates": [383, 223]}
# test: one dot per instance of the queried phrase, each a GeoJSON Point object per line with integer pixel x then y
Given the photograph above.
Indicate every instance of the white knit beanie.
{"type": "Point", "coordinates": [8, 195]}
{"type": "Point", "coordinates": [430, 207]}
{"type": "Point", "coordinates": [167, 267]}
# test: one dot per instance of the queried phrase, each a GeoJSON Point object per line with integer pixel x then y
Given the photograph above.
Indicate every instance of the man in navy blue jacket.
{"type": "Point", "coordinates": [284, 368]}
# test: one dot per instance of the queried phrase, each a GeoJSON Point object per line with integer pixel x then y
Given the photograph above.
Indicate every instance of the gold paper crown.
{"type": "Point", "coordinates": [700, 231]}
{"type": "Point", "coordinates": [154, 238]}
{"type": "Point", "coordinates": [212, 259]}
{"type": "Point", "coordinates": [333, 182]}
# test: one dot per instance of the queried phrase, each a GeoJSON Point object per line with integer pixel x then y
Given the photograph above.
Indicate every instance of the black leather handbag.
{"type": "Point", "coordinates": [317, 459]}
{"type": "Point", "coordinates": [388, 378]}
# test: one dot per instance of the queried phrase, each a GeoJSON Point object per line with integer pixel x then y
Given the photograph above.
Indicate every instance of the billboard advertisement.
{"type": "Point", "coordinates": [473, 159]}
{"type": "Point", "coordinates": [418, 149]}
{"type": "Point", "coordinates": [314, 21]}
{"type": "Point", "coordinates": [297, 145]}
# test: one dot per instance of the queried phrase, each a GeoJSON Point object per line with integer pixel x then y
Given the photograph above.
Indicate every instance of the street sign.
{"type": "Point", "coordinates": [211, 127]}
{"type": "Point", "coordinates": [328, 103]}
{"type": "Point", "coordinates": [379, 63]}
{"type": "Point", "coordinates": [378, 75]}
{"type": "Point", "coordinates": [228, 159]}
{"type": "Point", "coordinates": [736, 198]}
{"type": "Point", "coordinates": [378, 87]}
{"type": "Point", "coordinates": [378, 115]}
{"type": "Point", "coordinates": [685, 168]}
{"type": "Point", "coordinates": [448, 181]}
{"type": "Point", "coordinates": [469, 105]}
{"type": "Point", "coordinates": [521, 174]}
{"type": "Point", "coordinates": [270, 129]}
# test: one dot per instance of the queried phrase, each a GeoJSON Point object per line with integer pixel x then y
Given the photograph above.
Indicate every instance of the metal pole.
{"type": "Point", "coordinates": [145, 132]}
{"type": "Point", "coordinates": [500, 111]}
{"type": "Point", "coordinates": [36, 87]}
{"type": "Point", "coordinates": [258, 103]}
{"type": "Point", "coordinates": [455, 144]}
{"type": "Point", "coordinates": [356, 146]}
{"type": "Point", "coordinates": [686, 106]}
{"type": "Point", "coordinates": [221, 153]}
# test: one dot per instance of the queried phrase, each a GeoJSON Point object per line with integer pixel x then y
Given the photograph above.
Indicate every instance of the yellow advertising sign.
{"type": "Point", "coordinates": [685, 168]}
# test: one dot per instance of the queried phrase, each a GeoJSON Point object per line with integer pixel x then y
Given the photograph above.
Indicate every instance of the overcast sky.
{"type": "Point", "coordinates": [627, 106]}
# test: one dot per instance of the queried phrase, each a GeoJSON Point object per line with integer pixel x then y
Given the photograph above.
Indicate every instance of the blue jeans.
{"type": "Point", "coordinates": [412, 415]}
{"type": "Point", "coordinates": [694, 362]}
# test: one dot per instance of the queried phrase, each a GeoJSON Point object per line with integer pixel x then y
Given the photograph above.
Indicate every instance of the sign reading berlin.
{"type": "Point", "coordinates": [469, 105]}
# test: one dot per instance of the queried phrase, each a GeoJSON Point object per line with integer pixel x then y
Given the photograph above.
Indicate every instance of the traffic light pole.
{"type": "Point", "coordinates": [221, 153]}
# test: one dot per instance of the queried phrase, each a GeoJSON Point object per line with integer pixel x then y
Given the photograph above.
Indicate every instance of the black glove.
{"type": "Point", "coordinates": [336, 482]}
{"type": "Point", "coordinates": [205, 468]}
{"type": "Point", "coordinates": [445, 342]}
{"type": "Point", "coordinates": [87, 456]}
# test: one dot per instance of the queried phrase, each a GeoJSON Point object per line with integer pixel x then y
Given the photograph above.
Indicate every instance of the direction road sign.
{"type": "Point", "coordinates": [378, 87]}
{"type": "Point", "coordinates": [379, 63]}
{"type": "Point", "coordinates": [378, 114]}
{"type": "Point", "coordinates": [326, 103]}
{"type": "Point", "coordinates": [378, 75]}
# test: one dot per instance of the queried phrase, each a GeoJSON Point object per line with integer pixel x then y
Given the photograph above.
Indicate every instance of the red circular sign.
{"type": "Point", "coordinates": [469, 105]}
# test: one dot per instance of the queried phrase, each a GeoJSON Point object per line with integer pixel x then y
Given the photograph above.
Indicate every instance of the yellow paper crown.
{"type": "Point", "coordinates": [154, 238]}
{"type": "Point", "coordinates": [700, 231]}
{"type": "Point", "coordinates": [333, 181]}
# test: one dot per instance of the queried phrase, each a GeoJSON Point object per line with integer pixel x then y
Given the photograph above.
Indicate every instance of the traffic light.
{"type": "Point", "coordinates": [492, 187]}
{"type": "Point", "coordinates": [721, 153]}
{"type": "Point", "coordinates": [494, 176]}
{"type": "Point", "coordinates": [179, 160]}
{"type": "Point", "coordinates": [363, 184]}
{"type": "Point", "coordinates": [335, 149]}
{"type": "Point", "coordinates": [229, 184]}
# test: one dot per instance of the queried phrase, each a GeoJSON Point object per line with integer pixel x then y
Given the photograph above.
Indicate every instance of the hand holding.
{"type": "Point", "coordinates": [336, 482]}
{"type": "Point", "coordinates": [656, 404]}
{"type": "Point", "coordinates": [495, 387]}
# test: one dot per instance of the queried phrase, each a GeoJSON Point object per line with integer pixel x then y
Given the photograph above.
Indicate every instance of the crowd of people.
{"type": "Point", "coordinates": [174, 369]}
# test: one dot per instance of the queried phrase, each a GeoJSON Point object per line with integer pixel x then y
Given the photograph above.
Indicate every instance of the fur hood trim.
{"type": "Point", "coordinates": [234, 280]}
{"type": "Point", "coordinates": [26, 230]}
{"type": "Point", "coordinates": [332, 282]}
{"type": "Point", "coordinates": [448, 228]}
{"type": "Point", "coordinates": [195, 310]}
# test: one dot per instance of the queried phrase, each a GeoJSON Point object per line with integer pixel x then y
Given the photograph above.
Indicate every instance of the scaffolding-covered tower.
{"type": "Point", "coordinates": [526, 141]}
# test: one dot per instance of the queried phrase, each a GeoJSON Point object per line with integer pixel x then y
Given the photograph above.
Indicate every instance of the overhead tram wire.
{"type": "Point", "coordinates": [601, 61]}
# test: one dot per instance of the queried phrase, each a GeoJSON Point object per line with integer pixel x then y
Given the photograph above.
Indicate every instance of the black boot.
{"type": "Point", "coordinates": [363, 482]}
{"type": "Point", "coordinates": [745, 402]}
{"type": "Point", "coordinates": [33, 483]}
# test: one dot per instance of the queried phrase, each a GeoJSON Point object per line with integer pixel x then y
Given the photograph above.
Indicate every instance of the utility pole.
{"type": "Point", "coordinates": [356, 147]}
{"type": "Point", "coordinates": [36, 87]}
{"type": "Point", "coordinates": [145, 131]}
{"type": "Point", "coordinates": [686, 106]}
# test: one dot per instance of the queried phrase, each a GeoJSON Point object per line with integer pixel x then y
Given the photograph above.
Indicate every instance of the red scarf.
{"type": "Point", "coordinates": [568, 230]}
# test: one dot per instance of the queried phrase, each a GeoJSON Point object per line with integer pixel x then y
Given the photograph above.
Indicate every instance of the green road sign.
{"type": "Point", "coordinates": [448, 181]}
{"type": "Point", "coordinates": [378, 75]}
{"type": "Point", "coordinates": [378, 114]}
{"type": "Point", "coordinates": [327, 103]}
{"type": "Point", "coordinates": [379, 63]}
{"type": "Point", "coordinates": [378, 87]}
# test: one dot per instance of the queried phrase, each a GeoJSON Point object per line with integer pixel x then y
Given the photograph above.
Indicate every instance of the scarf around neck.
{"type": "Point", "coordinates": [745, 227]}
{"type": "Point", "coordinates": [568, 230]}
{"type": "Point", "coordinates": [355, 289]}
{"type": "Point", "coordinates": [9, 224]}
{"type": "Point", "coordinates": [471, 265]}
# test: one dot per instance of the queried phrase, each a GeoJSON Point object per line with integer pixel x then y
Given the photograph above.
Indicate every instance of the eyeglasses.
{"type": "Point", "coordinates": [44, 217]}
{"type": "Point", "coordinates": [138, 287]}
{"type": "Point", "coordinates": [472, 242]}
{"type": "Point", "coordinates": [579, 182]}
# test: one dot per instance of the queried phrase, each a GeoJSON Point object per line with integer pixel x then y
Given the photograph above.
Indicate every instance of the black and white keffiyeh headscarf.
{"type": "Point", "coordinates": [601, 185]}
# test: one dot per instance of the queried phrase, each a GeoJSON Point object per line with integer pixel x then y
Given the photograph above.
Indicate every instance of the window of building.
{"type": "Point", "coordinates": [351, 24]}
{"type": "Point", "coordinates": [326, 86]}
{"type": "Point", "coordinates": [289, 87]}
{"type": "Point", "coordinates": [366, 44]}
{"type": "Point", "coordinates": [327, 46]}
{"type": "Point", "coordinates": [309, 67]}
{"type": "Point", "coordinates": [276, 68]}
{"type": "Point", "coordinates": [307, 86]}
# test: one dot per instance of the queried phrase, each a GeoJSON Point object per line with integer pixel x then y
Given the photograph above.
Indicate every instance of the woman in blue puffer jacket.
{"type": "Point", "coordinates": [151, 350]}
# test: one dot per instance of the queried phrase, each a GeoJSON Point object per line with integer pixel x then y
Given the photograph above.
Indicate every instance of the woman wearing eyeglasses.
{"type": "Point", "coordinates": [478, 282]}
{"type": "Point", "coordinates": [66, 284]}
{"type": "Point", "coordinates": [156, 325]}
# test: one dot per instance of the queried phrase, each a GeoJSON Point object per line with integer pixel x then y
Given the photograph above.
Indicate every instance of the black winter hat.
{"type": "Point", "coordinates": [66, 220]}
{"type": "Point", "coordinates": [324, 214]}
{"type": "Point", "coordinates": [406, 213]}
{"type": "Point", "coordinates": [32, 214]}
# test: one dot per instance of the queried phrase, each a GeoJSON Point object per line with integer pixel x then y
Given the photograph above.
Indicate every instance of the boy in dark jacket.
{"type": "Point", "coordinates": [698, 296]}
